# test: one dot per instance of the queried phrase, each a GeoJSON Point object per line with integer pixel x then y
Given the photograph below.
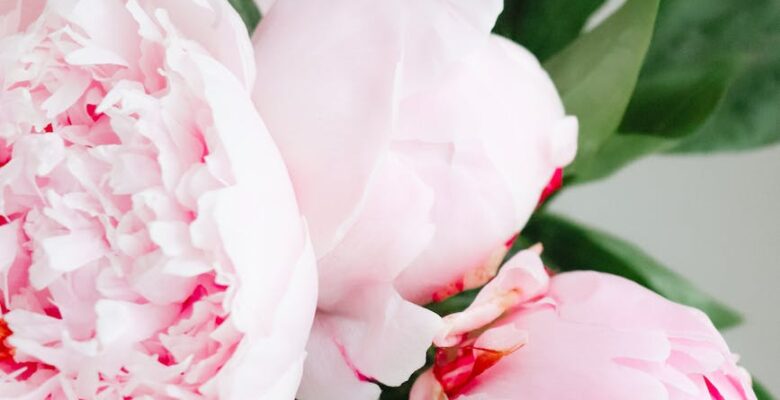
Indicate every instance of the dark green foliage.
{"type": "Point", "coordinates": [248, 11]}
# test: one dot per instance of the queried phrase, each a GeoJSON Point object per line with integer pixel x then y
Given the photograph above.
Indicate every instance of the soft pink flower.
{"type": "Point", "coordinates": [579, 335]}
{"type": "Point", "coordinates": [418, 145]}
{"type": "Point", "coordinates": [151, 246]}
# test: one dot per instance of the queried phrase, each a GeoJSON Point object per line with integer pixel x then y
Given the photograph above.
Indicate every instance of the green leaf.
{"type": "Point", "coordinates": [748, 117]}
{"type": "Point", "coordinates": [678, 101]}
{"type": "Point", "coordinates": [761, 392]}
{"type": "Point", "coordinates": [710, 81]}
{"type": "Point", "coordinates": [694, 35]}
{"type": "Point", "coordinates": [397, 393]}
{"type": "Point", "coordinates": [569, 246]}
{"type": "Point", "coordinates": [454, 304]}
{"type": "Point", "coordinates": [544, 27]}
{"type": "Point", "coordinates": [662, 112]}
{"type": "Point", "coordinates": [248, 11]}
{"type": "Point", "coordinates": [618, 151]}
{"type": "Point", "coordinates": [596, 74]}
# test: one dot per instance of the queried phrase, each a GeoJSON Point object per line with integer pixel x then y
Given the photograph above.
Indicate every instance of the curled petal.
{"type": "Point", "coordinates": [520, 280]}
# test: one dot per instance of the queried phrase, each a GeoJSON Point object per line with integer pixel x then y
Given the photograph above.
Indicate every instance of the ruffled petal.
{"type": "Point", "coordinates": [150, 241]}
{"type": "Point", "coordinates": [521, 279]}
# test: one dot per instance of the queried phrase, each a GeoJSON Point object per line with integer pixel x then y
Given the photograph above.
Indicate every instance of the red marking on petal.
{"type": "Point", "coordinates": [487, 358]}
{"type": "Point", "coordinates": [30, 368]}
{"type": "Point", "coordinates": [5, 154]}
{"type": "Point", "coordinates": [197, 294]}
{"type": "Point", "coordinates": [166, 359]}
{"type": "Point", "coordinates": [714, 392]}
{"type": "Point", "coordinates": [511, 242]}
{"type": "Point", "coordinates": [553, 186]}
{"type": "Point", "coordinates": [48, 128]}
{"type": "Point", "coordinates": [448, 291]}
{"type": "Point", "coordinates": [456, 367]}
{"type": "Point", "coordinates": [453, 368]}
{"type": "Point", "coordinates": [53, 312]}
{"type": "Point", "coordinates": [361, 377]}
{"type": "Point", "coordinates": [92, 112]}
{"type": "Point", "coordinates": [6, 351]}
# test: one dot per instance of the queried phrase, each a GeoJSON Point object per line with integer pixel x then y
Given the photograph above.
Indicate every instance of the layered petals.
{"type": "Point", "coordinates": [418, 145]}
{"type": "Point", "coordinates": [151, 242]}
{"type": "Point", "coordinates": [589, 336]}
{"type": "Point", "coordinates": [374, 334]}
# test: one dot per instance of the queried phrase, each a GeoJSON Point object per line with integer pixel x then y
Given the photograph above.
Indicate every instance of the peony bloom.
{"type": "Point", "coordinates": [418, 144]}
{"type": "Point", "coordinates": [150, 242]}
{"type": "Point", "coordinates": [579, 335]}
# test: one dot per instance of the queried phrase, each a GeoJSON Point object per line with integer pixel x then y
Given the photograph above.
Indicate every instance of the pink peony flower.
{"type": "Point", "coordinates": [579, 335]}
{"type": "Point", "coordinates": [151, 246]}
{"type": "Point", "coordinates": [418, 144]}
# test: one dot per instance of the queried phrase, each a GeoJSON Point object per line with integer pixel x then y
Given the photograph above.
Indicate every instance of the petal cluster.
{"type": "Point", "coordinates": [150, 242]}
{"type": "Point", "coordinates": [418, 144]}
{"type": "Point", "coordinates": [583, 335]}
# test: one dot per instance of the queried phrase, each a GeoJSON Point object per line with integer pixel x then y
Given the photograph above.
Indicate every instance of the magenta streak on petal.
{"type": "Point", "coordinates": [556, 182]}
{"type": "Point", "coordinates": [714, 393]}
{"type": "Point", "coordinates": [351, 365]}
{"type": "Point", "coordinates": [92, 112]}
{"type": "Point", "coordinates": [5, 153]}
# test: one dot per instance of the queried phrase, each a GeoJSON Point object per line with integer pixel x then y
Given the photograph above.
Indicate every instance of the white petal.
{"type": "Point", "coordinates": [173, 237]}
{"type": "Point", "coordinates": [74, 83]}
{"type": "Point", "coordinates": [326, 375]}
{"type": "Point", "coordinates": [125, 323]}
{"type": "Point", "coordinates": [72, 251]}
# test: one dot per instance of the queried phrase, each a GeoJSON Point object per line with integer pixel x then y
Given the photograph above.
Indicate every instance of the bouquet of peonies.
{"type": "Point", "coordinates": [349, 202]}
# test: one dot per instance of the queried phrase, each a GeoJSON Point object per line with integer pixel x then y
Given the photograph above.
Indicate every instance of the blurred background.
{"type": "Point", "coordinates": [714, 219]}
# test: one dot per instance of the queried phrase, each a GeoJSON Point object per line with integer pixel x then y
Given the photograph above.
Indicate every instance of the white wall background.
{"type": "Point", "coordinates": [716, 220]}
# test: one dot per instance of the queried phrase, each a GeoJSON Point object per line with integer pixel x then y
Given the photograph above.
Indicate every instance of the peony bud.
{"type": "Point", "coordinates": [588, 336]}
